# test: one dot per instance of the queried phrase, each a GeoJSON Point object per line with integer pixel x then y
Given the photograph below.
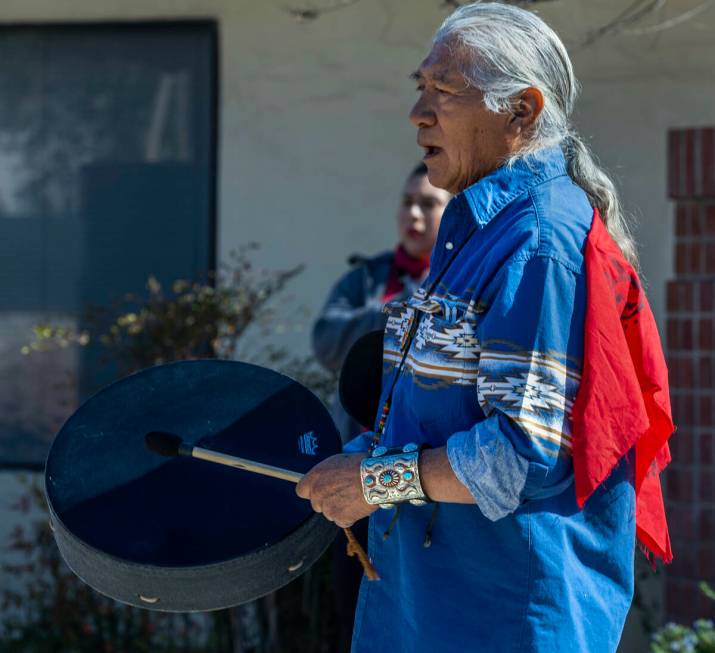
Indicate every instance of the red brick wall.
{"type": "Point", "coordinates": [690, 480]}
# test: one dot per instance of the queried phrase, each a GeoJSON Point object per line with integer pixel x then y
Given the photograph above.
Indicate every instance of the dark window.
{"type": "Point", "coordinates": [107, 175]}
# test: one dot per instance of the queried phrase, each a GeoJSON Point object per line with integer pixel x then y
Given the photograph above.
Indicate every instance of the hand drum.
{"type": "Point", "coordinates": [181, 534]}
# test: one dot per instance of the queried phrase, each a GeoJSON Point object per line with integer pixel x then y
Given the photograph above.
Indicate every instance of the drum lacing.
{"type": "Point", "coordinates": [405, 348]}
{"type": "Point", "coordinates": [355, 549]}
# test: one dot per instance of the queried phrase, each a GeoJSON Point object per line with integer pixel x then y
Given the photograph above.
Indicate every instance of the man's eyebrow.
{"type": "Point", "coordinates": [437, 76]}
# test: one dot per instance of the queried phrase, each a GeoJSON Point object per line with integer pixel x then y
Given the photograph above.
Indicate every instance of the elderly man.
{"type": "Point", "coordinates": [494, 546]}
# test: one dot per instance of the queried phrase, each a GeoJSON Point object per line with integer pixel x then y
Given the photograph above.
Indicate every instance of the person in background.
{"type": "Point", "coordinates": [354, 308]}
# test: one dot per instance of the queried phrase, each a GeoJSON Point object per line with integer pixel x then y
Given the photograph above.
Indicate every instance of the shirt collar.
{"type": "Point", "coordinates": [492, 193]}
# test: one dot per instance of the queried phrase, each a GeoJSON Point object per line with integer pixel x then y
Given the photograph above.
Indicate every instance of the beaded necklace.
{"type": "Point", "coordinates": [406, 343]}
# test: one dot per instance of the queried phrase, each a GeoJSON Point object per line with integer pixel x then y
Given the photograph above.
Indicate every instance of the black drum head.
{"type": "Point", "coordinates": [114, 501]}
{"type": "Point", "coordinates": [360, 383]}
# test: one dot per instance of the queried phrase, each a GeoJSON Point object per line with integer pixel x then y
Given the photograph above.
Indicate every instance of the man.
{"type": "Point", "coordinates": [485, 366]}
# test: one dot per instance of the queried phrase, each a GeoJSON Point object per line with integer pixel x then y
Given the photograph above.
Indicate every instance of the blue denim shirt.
{"type": "Point", "coordinates": [492, 373]}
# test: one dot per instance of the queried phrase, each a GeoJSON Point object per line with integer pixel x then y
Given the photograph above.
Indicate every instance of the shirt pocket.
{"type": "Point", "coordinates": [445, 348]}
{"type": "Point", "coordinates": [436, 393]}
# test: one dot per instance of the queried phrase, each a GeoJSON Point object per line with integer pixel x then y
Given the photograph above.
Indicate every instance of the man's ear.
{"type": "Point", "coordinates": [526, 108]}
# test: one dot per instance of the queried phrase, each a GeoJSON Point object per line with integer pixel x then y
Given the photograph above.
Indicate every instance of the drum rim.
{"type": "Point", "coordinates": [194, 573]}
{"type": "Point", "coordinates": [66, 539]}
{"type": "Point", "coordinates": [55, 521]}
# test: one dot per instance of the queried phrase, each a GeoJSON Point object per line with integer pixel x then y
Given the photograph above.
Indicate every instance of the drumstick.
{"type": "Point", "coordinates": [168, 444]}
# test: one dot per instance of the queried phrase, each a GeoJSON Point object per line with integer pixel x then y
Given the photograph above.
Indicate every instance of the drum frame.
{"type": "Point", "coordinates": [198, 588]}
{"type": "Point", "coordinates": [194, 588]}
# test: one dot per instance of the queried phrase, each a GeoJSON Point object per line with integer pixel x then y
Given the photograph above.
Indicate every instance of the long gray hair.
{"type": "Point", "coordinates": [504, 50]}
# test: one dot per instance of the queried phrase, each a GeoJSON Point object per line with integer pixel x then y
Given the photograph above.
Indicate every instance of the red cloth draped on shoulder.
{"type": "Point", "coordinates": [623, 399]}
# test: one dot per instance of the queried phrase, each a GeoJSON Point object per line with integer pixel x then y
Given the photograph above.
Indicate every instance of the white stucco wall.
{"type": "Point", "coordinates": [314, 137]}
{"type": "Point", "coordinates": [316, 145]}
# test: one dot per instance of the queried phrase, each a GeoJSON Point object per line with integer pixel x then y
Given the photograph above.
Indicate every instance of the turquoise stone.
{"type": "Point", "coordinates": [408, 476]}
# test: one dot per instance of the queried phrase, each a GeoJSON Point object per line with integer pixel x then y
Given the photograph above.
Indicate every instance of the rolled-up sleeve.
{"type": "Point", "coordinates": [531, 342]}
{"type": "Point", "coordinates": [359, 444]}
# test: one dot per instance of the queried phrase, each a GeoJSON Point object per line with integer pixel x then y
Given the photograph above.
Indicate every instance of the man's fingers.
{"type": "Point", "coordinates": [333, 489]}
{"type": "Point", "coordinates": [305, 490]}
{"type": "Point", "coordinates": [330, 511]}
{"type": "Point", "coordinates": [333, 512]}
{"type": "Point", "coordinates": [302, 489]}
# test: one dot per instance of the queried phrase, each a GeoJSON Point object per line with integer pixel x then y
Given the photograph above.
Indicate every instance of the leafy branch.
{"type": "Point", "coordinates": [191, 319]}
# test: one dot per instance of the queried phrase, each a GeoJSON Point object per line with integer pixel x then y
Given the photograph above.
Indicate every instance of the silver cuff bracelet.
{"type": "Point", "coordinates": [390, 477]}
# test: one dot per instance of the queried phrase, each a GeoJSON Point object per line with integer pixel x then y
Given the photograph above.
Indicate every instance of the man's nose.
{"type": "Point", "coordinates": [422, 115]}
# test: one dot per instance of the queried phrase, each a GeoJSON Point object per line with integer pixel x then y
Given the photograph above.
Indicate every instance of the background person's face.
{"type": "Point", "coordinates": [419, 215]}
{"type": "Point", "coordinates": [463, 140]}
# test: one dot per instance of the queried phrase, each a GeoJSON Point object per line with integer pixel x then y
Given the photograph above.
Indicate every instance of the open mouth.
{"type": "Point", "coordinates": [431, 151]}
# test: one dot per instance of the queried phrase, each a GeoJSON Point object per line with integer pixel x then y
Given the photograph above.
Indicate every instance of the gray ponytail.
{"type": "Point", "coordinates": [504, 50]}
{"type": "Point", "coordinates": [601, 192]}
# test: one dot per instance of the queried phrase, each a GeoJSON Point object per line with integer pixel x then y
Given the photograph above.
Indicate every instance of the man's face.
{"type": "Point", "coordinates": [463, 140]}
{"type": "Point", "coordinates": [419, 215]}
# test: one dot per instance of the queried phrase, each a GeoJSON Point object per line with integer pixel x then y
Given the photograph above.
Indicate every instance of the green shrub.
{"type": "Point", "coordinates": [699, 638]}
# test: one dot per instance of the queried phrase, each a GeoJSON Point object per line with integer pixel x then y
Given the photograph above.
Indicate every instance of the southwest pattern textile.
{"type": "Point", "coordinates": [535, 389]}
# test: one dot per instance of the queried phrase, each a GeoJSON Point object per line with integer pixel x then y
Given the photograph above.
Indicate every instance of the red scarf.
{"type": "Point", "coordinates": [403, 265]}
{"type": "Point", "coordinates": [623, 400]}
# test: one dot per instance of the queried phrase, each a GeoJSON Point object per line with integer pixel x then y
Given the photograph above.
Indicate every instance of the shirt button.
{"type": "Point", "coordinates": [449, 245]}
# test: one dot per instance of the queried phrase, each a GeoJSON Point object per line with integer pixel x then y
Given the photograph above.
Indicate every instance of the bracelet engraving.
{"type": "Point", "coordinates": [392, 477]}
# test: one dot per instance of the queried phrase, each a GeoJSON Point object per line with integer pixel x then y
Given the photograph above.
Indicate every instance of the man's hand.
{"type": "Point", "coordinates": [333, 487]}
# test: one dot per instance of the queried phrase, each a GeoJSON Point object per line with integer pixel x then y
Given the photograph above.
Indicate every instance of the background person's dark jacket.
{"type": "Point", "coordinates": [353, 308]}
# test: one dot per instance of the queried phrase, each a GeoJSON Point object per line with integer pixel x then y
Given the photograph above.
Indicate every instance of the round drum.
{"type": "Point", "coordinates": [181, 534]}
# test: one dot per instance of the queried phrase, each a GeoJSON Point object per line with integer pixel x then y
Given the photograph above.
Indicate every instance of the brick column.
{"type": "Point", "coordinates": [690, 480]}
